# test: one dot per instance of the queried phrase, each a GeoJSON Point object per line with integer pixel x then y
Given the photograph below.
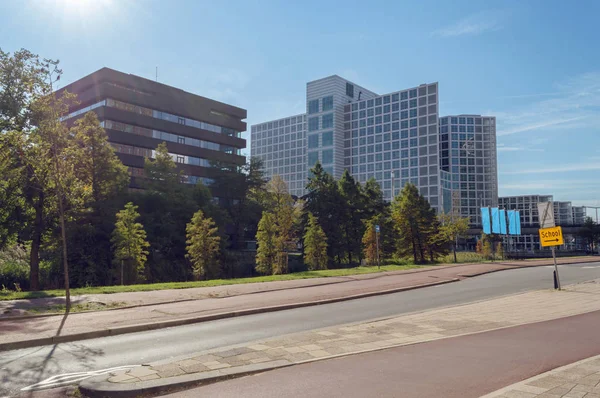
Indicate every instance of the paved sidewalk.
{"type": "Point", "coordinates": [578, 380]}
{"type": "Point", "coordinates": [351, 339]}
{"type": "Point", "coordinates": [233, 300]}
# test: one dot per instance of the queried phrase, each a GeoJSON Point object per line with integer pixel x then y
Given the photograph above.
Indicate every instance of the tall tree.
{"type": "Point", "coordinates": [286, 214]}
{"type": "Point", "coordinates": [453, 228]}
{"type": "Point", "coordinates": [325, 202]}
{"type": "Point", "coordinates": [241, 190]}
{"type": "Point", "coordinates": [129, 244]}
{"type": "Point", "coordinates": [203, 246]}
{"type": "Point", "coordinates": [267, 241]}
{"type": "Point", "coordinates": [352, 215]}
{"type": "Point", "coordinates": [590, 232]}
{"type": "Point", "coordinates": [27, 198]}
{"type": "Point", "coordinates": [107, 178]}
{"type": "Point", "coordinates": [315, 245]}
{"type": "Point", "coordinates": [369, 242]}
{"type": "Point", "coordinates": [414, 221]}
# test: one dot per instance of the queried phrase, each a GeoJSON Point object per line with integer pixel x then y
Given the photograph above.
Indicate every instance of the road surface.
{"type": "Point", "coordinates": [20, 368]}
{"type": "Point", "coordinates": [459, 367]}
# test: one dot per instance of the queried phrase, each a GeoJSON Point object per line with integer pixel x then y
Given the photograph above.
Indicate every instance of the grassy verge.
{"type": "Point", "coordinates": [12, 295]}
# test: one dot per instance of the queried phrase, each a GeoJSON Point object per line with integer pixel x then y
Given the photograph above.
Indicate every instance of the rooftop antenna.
{"type": "Point", "coordinates": [157, 73]}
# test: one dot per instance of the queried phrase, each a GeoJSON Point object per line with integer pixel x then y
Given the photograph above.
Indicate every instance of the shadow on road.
{"type": "Point", "coordinates": [31, 368]}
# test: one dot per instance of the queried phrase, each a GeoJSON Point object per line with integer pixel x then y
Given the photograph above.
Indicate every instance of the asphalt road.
{"type": "Point", "coordinates": [24, 367]}
{"type": "Point", "coordinates": [460, 367]}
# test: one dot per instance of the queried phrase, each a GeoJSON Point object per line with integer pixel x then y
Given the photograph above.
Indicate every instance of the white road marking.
{"type": "Point", "coordinates": [71, 378]}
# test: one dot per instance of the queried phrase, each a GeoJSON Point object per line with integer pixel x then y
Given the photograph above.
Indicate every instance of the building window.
{"type": "Point", "coordinates": [180, 159]}
{"type": "Point", "coordinates": [327, 138]}
{"type": "Point", "coordinates": [181, 120]}
{"type": "Point", "coordinates": [313, 106]}
{"type": "Point", "coordinates": [313, 123]}
{"type": "Point", "coordinates": [350, 90]}
{"type": "Point", "coordinates": [180, 140]}
{"type": "Point", "coordinates": [327, 156]}
{"type": "Point", "coordinates": [327, 103]}
{"type": "Point", "coordinates": [327, 121]}
{"type": "Point", "coordinates": [313, 141]}
{"type": "Point", "coordinates": [313, 157]}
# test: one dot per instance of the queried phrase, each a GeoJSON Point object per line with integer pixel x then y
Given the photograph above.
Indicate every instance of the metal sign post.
{"type": "Point", "coordinates": [377, 240]}
{"type": "Point", "coordinates": [550, 234]}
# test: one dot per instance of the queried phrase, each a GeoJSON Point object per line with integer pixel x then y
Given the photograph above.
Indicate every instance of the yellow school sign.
{"type": "Point", "coordinates": [551, 236]}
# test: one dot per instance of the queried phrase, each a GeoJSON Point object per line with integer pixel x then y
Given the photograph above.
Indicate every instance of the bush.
{"type": "Point", "coordinates": [14, 268]}
{"type": "Point", "coordinates": [463, 257]}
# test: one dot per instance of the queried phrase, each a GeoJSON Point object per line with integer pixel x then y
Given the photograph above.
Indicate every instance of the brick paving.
{"type": "Point", "coordinates": [578, 380]}
{"type": "Point", "coordinates": [391, 332]}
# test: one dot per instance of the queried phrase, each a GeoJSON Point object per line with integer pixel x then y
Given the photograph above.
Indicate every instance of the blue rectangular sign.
{"type": "Point", "coordinates": [502, 216]}
{"type": "Point", "coordinates": [495, 220]}
{"type": "Point", "coordinates": [485, 220]}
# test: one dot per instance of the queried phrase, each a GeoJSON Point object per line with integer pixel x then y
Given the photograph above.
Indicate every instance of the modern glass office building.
{"type": "Point", "coordinates": [395, 138]}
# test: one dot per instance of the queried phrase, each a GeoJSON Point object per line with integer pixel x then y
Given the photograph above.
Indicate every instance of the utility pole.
{"type": "Point", "coordinates": [393, 188]}
{"type": "Point", "coordinates": [377, 242]}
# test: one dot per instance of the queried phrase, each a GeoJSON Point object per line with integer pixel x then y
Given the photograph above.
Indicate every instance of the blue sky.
{"type": "Point", "coordinates": [535, 65]}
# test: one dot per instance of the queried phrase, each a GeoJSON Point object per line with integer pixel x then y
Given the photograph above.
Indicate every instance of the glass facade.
{"type": "Point", "coordinates": [156, 114]}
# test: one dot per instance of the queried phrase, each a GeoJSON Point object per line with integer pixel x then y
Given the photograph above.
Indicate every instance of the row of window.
{"type": "Point", "coordinates": [150, 153]}
{"type": "Point", "coordinates": [164, 136]}
{"type": "Point", "coordinates": [404, 124]}
{"type": "Point", "coordinates": [425, 107]}
{"type": "Point", "coordinates": [139, 172]}
{"type": "Point", "coordinates": [281, 135]}
{"type": "Point", "coordinates": [326, 122]}
{"type": "Point", "coordinates": [486, 121]}
{"type": "Point", "coordinates": [326, 157]}
{"type": "Point", "coordinates": [422, 91]}
{"type": "Point", "coordinates": [290, 121]}
{"type": "Point", "coordinates": [156, 114]}
{"type": "Point", "coordinates": [326, 139]}
{"type": "Point", "coordinates": [326, 105]}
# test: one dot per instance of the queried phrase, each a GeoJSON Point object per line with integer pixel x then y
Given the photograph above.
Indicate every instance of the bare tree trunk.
{"type": "Point", "coordinates": [36, 241]}
{"type": "Point", "coordinates": [64, 245]}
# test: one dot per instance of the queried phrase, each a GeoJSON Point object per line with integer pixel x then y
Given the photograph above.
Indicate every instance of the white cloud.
{"type": "Point", "coordinates": [504, 148]}
{"type": "Point", "coordinates": [472, 25]}
{"type": "Point", "coordinates": [575, 105]}
{"type": "Point", "coordinates": [556, 169]}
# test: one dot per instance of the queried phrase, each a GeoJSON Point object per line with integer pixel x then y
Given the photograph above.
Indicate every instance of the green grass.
{"type": "Point", "coordinates": [463, 257]}
{"type": "Point", "coordinates": [12, 295]}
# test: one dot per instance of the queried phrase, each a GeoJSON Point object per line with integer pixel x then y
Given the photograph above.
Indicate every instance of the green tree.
{"type": "Point", "coordinates": [129, 243]}
{"type": "Point", "coordinates": [486, 249]}
{"type": "Point", "coordinates": [286, 214]}
{"type": "Point", "coordinates": [500, 250]}
{"type": "Point", "coordinates": [241, 191]}
{"type": "Point", "coordinates": [369, 242]}
{"type": "Point", "coordinates": [325, 202]}
{"type": "Point", "coordinates": [590, 232]}
{"type": "Point", "coordinates": [315, 245]}
{"type": "Point", "coordinates": [267, 241]}
{"type": "Point", "coordinates": [414, 220]}
{"type": "Point", "coordinates": [28, 197]}
{"type": "Point", "coordinates": [161, 172]}
{"type": "Point", "coordinates": [452, 229]}
{"type": "Point", "coordinates": [352, 215]}
{"type": "Point", "coordinates": [203, 246]}
{"type": "Point", "coordinates": [107, 179]}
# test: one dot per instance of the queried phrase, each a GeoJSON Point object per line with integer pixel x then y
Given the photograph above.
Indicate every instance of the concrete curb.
{"type": "Point", "coordinates": [513, 264]}
{"type": "Point", "coordinates": [100, 387]}
{"type": "Point", "coordinates": [514, 386]}
{"type": "Point", "coordinates": [206, 318]}
{"type": "Point", "coordinates": [188, 321]}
